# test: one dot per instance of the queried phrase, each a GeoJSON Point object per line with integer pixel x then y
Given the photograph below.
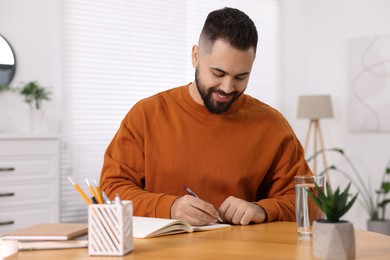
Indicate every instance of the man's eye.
{"type": "Point", "coordinates": [219, 75]}
{"type": "Point", "coordinates": [240, 77]}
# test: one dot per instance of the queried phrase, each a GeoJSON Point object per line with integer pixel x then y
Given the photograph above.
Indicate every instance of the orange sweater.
{"type": "Point", "coordinates": [168, 141]}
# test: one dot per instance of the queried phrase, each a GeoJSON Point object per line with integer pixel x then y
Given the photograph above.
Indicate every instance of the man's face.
{"type": "Point", "coordinates": [221, 75]}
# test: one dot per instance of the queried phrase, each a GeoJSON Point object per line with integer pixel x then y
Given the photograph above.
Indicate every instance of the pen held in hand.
{"type": "Point", "coordinates": [190, 192]}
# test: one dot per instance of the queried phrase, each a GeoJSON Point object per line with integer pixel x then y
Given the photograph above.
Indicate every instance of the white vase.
{"type": "Point", "coordinates": [334, 240]}
{"type": "Point", "coordinates": [379, 226]}
{"type": "Point", "coordinates": [37, 121]}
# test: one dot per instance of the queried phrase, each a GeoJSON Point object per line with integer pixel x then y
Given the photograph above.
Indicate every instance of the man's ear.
{"type": "Point", "coordinates": [195, 56]}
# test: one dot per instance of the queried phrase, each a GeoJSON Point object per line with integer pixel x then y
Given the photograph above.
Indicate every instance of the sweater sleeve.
{"type": "Point", "coordinates": [123, 171]}
{"type": "Point", "coordinates": [277, 189]}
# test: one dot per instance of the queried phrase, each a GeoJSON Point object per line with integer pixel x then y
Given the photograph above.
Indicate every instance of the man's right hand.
{"type": "Point", "coordinates": [193, 210]}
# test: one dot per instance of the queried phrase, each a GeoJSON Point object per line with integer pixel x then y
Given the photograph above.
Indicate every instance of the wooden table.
{"type": "Point", "coordinates": [276, 240]}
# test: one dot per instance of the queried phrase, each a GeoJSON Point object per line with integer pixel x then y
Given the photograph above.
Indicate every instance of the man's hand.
{"type": "Point", "coordinates": [194, 210]}
{"type": "Point", "coordinates": [238, 211]}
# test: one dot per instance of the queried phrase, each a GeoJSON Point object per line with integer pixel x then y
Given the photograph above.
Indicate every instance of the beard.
{"type": "Point", "coordinates": [213, 106]}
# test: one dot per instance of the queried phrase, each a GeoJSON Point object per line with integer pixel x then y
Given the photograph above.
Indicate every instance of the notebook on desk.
{"type": "Point", "coordinates": [144, 227]}
{"type": "Point", "coordinates": [54, 231]}
{"type": "Point", "coordinates": [78, 242]}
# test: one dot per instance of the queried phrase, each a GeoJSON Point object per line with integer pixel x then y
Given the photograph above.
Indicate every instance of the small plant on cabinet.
{"type": "Point", "coordinates": [34, 94]}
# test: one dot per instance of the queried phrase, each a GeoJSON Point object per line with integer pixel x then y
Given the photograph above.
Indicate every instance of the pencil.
{"type": "Point", "coordinates": [77, 187]}
{"type": "Point", "coordinates": [98, 192]}
{"type": "Point", "coordinates": [91, 190]}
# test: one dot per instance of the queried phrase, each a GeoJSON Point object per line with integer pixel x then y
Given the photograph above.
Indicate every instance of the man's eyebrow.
{"type": "Point", "coordinates": [222, 71]}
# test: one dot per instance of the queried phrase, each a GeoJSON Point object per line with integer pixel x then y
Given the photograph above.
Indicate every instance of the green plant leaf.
{"type": "Point", "coordinates": [329, 191]}
{"type": "Point", "coordinates": [385, 187]}
{"type": "Point", "coordinates": [317, 200]}
{"type": "Point", "coordinates": [4, 87]}
{"type": "Point", "coordinates": [384, 203]}
{"type": "Point", "coordinates": [335, 200]}
{"type": "Point", "coordinates": [348, 206]}
{"type": "Point", "coordinates": [34, 94]}
{"type": "Point", "coordinates": [343, 198]}
{"type": "Point", "coordinates": [333, 204]}
{"type": "Point", "coordinates": [339, 150]}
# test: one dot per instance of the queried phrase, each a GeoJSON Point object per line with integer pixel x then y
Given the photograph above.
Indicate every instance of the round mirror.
{"type": "Point", "coordinates": [7, 62]}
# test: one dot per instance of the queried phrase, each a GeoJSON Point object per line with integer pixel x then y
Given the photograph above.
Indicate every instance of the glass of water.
{"type": "Point", "coordinates": [305, 209]}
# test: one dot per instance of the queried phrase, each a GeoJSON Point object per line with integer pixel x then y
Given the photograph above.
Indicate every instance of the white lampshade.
{"type": "Point", "coordinates": [315, 107]}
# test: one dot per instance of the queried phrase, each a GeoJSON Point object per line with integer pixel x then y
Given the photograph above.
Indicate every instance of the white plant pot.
{"type": "Point", "coordinates": [37, 121]}
{"type": "Point", "coordinates": [379, 226]}
{"type": "Point", "coordinates": [333, 240]}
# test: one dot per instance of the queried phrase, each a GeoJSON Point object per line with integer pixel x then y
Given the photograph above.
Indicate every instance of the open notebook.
{"type": "Point", "coordinates": [144, 227]}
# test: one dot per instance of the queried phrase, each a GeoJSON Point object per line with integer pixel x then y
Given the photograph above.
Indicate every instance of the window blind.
{"type": "Point", "coordinates": [119, 51]}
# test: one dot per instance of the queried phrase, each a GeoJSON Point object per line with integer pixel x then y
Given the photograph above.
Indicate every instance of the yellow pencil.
{"type": "Point", "coordinates": [99, 193]}
{"type": "Point", "coordinates": [91, 190]}
{"type": "Point", "coordinates": [77, 187]}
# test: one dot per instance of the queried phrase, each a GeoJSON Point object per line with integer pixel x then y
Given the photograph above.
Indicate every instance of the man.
{"type": "Point", "coordinates": [238, 154]}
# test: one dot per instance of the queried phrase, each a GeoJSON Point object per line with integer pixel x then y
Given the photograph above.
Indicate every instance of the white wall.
{"type": "Point", "coordinates": [315, 61]}
{"type": "Point", "coordinates": [33, 28]}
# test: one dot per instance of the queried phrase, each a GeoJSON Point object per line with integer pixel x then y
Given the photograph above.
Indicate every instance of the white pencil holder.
{"type": "Point", "coordinates": [110, 229]}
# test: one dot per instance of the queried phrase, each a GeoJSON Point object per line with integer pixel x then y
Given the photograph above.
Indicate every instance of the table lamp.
{"type": "Point", "coordinates": [314, 108]}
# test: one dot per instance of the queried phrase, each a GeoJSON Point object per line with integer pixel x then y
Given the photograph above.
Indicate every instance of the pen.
{"type": "Point", "coordinates": [189, 191]}
{"type": "Point", "coordinates": [105, 198]}
{"type": "Point", "coordinates": [77, 187]}
{"type": "Point", "coordinates": [94, 201]}
{"type": "Point", "coordinates": [117, 200]}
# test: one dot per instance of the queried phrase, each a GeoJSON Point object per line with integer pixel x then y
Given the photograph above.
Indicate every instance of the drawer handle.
{"type": "Point", "coordinates": [7, 222]}
{"type": "Point", "coordinates": [9, 194]}
{"type": "Point", "coordinates": [10, 169]}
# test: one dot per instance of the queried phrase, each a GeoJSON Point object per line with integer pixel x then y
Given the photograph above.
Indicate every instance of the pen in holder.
{"type": "Point", "coordinates": [110, 228]}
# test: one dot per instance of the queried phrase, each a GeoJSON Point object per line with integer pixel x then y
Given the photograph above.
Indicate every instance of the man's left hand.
{"type": "Point", "coordinates": [237, 211]}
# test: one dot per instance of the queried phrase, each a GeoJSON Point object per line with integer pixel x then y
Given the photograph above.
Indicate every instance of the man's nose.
{"type": "Point", "coordinates": [227, 85]}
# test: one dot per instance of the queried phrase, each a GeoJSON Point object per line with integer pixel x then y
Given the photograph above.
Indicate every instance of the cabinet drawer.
{"type": "Point", "coordinates": [12, 219]}
{"type": "Point", "coordinates": [29, 193]}
{"type": "Point", "coordinates": [29, 180]}
{"type": "Point", "coordinates": [29, 147]}
{"type": "Point", "coordinates": [38, 167]}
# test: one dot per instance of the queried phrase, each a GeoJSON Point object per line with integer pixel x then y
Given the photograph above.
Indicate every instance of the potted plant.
{"type": "Point", "coordinates": [377, 221]}
{"type": "Point", "coordinates": [374, 202]}
{"type": "Point", "coordinates": [333, 238]}
{"type": "Point", "coordinates": [34, 94]}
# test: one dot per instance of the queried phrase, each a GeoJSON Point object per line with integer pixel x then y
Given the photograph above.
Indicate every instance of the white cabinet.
{"type": "Point", "coordinates": [29, 180]}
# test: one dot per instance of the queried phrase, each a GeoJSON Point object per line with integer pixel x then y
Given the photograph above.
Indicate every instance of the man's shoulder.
{"type": "Point", "coordinates": [172, 93]}
{"type": "Point", "coordinates": [264, 114]}
{"type": "Point", "coordinates": [159, 99]}
{"type": "Point", "coordinates": [259, 107]}
{"type": "Point", "coordinates": [153, 105]}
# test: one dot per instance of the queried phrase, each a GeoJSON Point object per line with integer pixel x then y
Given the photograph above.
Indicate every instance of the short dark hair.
{"type": "Point", "coordinates": [231, 25]}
